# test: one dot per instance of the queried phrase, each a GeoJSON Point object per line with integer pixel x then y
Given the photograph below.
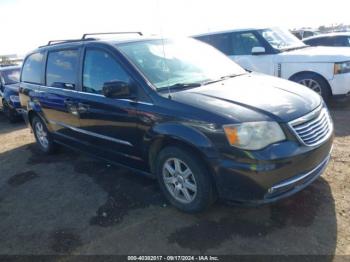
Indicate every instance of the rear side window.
{"type": "Point", "coordinates": [62, 69]}
{"type": "Point", "coordinates": [32, 68]}
{"type": "Point", "coordinates": [101, 68]}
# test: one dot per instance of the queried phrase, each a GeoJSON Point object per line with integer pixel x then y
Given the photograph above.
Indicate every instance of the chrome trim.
{"type": "Point", "coordinates": [295, 180]}
{"type": "Point", "coordinates": [306, 117]}
{"type": "Point", "coordinates": [91, 133]}
{"type": "Point", "coordinates": [98, 95]}
{"type": "Point", "coordinates": [327, 125]}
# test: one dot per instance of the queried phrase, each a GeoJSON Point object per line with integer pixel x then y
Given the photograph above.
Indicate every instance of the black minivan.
{"type": "Point", "coordinates": [180, 111]}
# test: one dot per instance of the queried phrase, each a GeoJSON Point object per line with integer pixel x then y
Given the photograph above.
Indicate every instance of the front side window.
{"type": "Point", "coordinates": [221, 42]}
{"type": "Point", "coordinates": [171, 62]}
{"type": "Point", "coordinates": [32, 68]}
{"type": "Point", "coordinates": [62, 69]}
{"type": "Point", "coordinates": [101, 68]}
{"type": "Point", "coordinates": [243, 43]}
{"type": "Point", "coordinates": [11, 76]}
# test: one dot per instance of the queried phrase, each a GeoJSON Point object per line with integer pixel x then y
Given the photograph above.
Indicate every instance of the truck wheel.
{"type": "Point", "coordinates": [316, 83]}
{"type": "Point", "coordinates": [184, 180]}
{"type": "Point", "coordinates": [43, 137]}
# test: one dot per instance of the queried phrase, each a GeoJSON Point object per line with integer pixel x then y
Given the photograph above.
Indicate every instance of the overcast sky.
{"type": "Point", "coordinates": [27, 24]}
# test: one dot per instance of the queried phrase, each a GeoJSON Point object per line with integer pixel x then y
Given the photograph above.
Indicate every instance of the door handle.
{"type": "Point", "coordinates": [68, 102]}
{"type": "Point", "coordinates": [83, 108]}
{"type": "Point", "coordinates": [71, 107]}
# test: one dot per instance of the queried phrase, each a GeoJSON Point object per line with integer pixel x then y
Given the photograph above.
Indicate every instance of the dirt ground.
{"type": "Point", "coordinates": [71, 204]}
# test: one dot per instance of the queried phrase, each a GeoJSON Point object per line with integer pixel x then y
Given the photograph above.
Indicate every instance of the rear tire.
{"type": "Point", "coordinates": [184, 180]}
{"type": "Point", "coordinates": [43, 137]}
{"type": "Point", "coordinates": [315, 83]}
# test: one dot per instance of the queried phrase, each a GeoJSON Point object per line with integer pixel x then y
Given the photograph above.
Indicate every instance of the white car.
{"type": "Point", "coordinates": [277, 52]}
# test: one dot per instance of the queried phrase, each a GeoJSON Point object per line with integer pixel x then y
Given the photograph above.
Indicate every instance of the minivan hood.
{"type": "Point", "coordinates": [314, 54]}
{"type": "Point", "coordinates": [260, 96]}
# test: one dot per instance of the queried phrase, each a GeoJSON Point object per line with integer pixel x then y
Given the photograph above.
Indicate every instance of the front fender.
{"type": "Point", "coordinates": [183, 133]}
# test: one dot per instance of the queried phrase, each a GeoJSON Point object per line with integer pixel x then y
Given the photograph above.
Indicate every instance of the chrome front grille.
{"type": "Point", "coordinates": [313, 128]}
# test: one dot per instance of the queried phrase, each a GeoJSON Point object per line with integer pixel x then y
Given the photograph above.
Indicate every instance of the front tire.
{"type": "Point", "coordinates": [184, 180]}
{"type": "Point", "coordinates": [315, 83]}
{"type": "Point", "coordinates": [43, 137]}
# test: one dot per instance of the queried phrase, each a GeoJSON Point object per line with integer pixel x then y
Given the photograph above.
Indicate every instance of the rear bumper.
{"type": "Point", "coordinates": [268, 181]}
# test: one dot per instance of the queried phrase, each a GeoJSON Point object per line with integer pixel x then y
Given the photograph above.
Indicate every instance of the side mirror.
{"type": "Point", "coordinates": [258, 50]}
{"type": "Point", "coordinates": [116, 89]}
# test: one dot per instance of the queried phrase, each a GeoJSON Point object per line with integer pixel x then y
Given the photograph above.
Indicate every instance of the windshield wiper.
{"type": "Point", "coordinates": [180, 86]}
{"type": "Point", "coordinates": [222, 78]}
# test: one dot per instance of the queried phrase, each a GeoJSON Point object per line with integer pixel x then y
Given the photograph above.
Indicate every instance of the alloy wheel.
{"type": "Point", "coordinates": [179, 180]}
{"type": "Point", "coordinates": [312, 84]}
{"type": "Point", "coordinates": [41, 134]}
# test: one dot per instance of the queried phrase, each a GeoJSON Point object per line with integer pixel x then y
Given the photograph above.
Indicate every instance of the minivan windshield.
{"type": "Point", "coordinates": [179, 63]}
{"type": "Point", "coordinates": [281, 39]}
{"type": "Point", "coordinates": [11, 76]}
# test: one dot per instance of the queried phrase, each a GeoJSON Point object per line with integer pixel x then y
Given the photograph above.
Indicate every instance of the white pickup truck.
{"type": "Point", "coordinates": [277, 52]}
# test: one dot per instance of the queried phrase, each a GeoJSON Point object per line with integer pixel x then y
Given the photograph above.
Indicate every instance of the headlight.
{"type": "Point", "coordinates": [342, 67]}
{"type": "Point", "coordinates": [14, 99]}
{"type": "Point", "coordinates": [254, 135]}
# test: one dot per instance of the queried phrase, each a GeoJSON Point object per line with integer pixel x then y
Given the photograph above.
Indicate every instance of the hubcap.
{"type": "Point", "coordinates": [312, 84]}
{"type": "Point", "coordinates": [179, 180]}
{"type": "Point", "coordinates": [41, 134]}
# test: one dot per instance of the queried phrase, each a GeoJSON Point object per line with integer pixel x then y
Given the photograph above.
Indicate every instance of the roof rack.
{"type": "Point", "coordinates": [111, 33]}
{"type": "Point", "coordinates": [84, 38]}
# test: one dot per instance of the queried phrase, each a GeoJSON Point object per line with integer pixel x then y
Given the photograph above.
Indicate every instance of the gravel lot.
{"type": "Point", "coordinates": [71, 204]}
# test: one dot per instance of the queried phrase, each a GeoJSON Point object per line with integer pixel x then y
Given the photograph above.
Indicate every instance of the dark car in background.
{"type": "Point", "coordinates": [179, 111]}
{"type": "Point", "coordinates": [9, 99]}
{"type": "Point", "coordinates": [332, 39]}
{"type": "Point", "coordinates": [304, 33]}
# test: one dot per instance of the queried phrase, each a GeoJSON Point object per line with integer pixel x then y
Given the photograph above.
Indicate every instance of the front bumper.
{"type": "Point", "coordinates": [340, 84]}
{"type": "Point", "coordinates": [264, 181]}
{"type": "Point", "coordinates": [16, 108]}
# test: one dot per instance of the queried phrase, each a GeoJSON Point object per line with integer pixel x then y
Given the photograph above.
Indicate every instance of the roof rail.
{"type": "Point", "coordinates": [52, 42]}
{"type": "Point", "coordinates": [111, 33]}
{"type": "Point", "coordinates": [84, 38]}
{"type": "Point", "coordinates": [56, 42]}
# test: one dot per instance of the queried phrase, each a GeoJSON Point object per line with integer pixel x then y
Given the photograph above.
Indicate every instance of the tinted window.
{"type": "Point", "coordinates": [328, 41]}
{"type": "Point", "coordinates": [101, 68]}
{"type": "Point", "coordinates": [347, 40]}
{"type": "Point", "coordinates": [221, 42]}
{"type": "Point", "coordinates": [32, 68]}
{"type": "Point", "coordinates": [308, 34]}
{"type": "Point", "coordinates": [237, 43]}
{"type": "Point", "coordinates": [340, 41]}
{"type": "Point", "coordinates": [62, 69]}
{"type": "Point", "coordinates": [243, 43]}
{"type": "Point", "coordinates": [314, 42]}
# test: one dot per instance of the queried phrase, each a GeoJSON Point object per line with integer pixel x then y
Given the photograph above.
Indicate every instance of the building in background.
{"type": "Point", "coordinates": [12, 59]}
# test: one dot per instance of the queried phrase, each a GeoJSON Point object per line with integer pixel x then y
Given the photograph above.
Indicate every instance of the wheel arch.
{"type": "Point", "coordinates": [166, 141]}
{"type": "Point", "coordinates": [174, 134]}
{"type": "Point", "coordinates": [295, 75]}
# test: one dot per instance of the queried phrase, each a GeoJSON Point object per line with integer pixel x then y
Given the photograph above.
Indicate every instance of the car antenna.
{"type": "Point", "coordinates": [165, 65]}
